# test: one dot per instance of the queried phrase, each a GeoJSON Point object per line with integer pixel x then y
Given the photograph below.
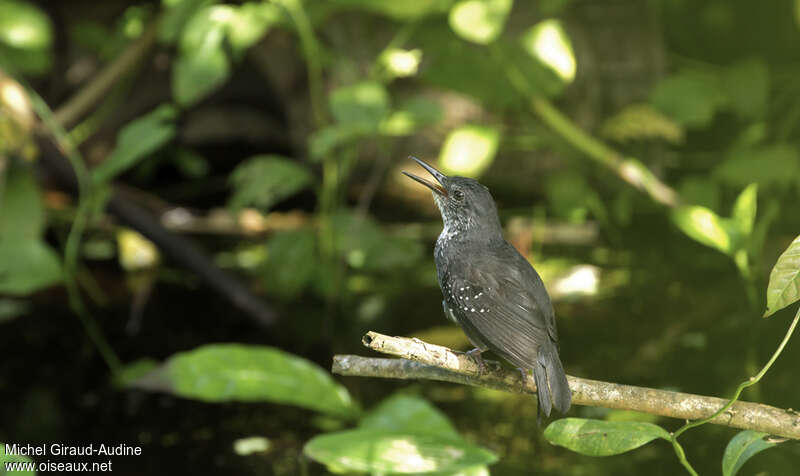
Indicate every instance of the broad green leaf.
{"type": "Point", "coordinates": [245, 373]}
{"type": "Point", "coordinates": [290, 264]}
{"type": "Point", "coordinates": [362, 243]}
{"type": "Point", "coordinates": [21, 207]}
{"type": "Point", "coordinates": [400, 63]}
{"type": "Point", "coordinates": [251, 21]}
{"type": "Point", "coordinates": [746, 84]}
{"type": "Point", "coordinates": [772, 165]}
{"type": "Point", "coordinates": [25, 37]}
{"type": "Point", "coordinates": [9, 458]}
{"type": "Point", "coordinates": [325, 140]}
{"type": "Point", "coordinates": [602, 438]}
{"type": "Point", "coordinates": [365, 103]}
{"type": "Point", "coordinates": [412, 115]}
{"type": "Point", "coordinates": [133, 371]}
{"type": "Point", "coordinates": [741, 448]}
{"type": "Point", "coordinates": [703, 225]}
{"type": "Point", "coordinates": [479, 21]}
{"type": "Point", "coordinates": [197, 73]}
{"type": "Point", "coordinates": [264, 180]}
{"type": "Point", "coordinates": [548, 42]}
{"type": "Point", "coordinates": [176, 14]}
{"type": "Point", "coordinates": [744, 209]}
{"type": "Point", "coordinates": [784, 280]}
{"type": "Point", "coordinates": [408, 414]}
{"type": "Point", "coordinates": [689, 97]}
{"type": "Point", "coordinates": [137, 140]}
{"type": "Point", "coordinates": [469, 150]}
{"type": "Point", "coordinates": [382, 452]}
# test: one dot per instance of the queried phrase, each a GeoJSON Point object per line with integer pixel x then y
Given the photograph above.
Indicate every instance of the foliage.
{"type": "Point", "coordinates": [741, 448]}
{"type": "Point", "coordinates": [602, 438]}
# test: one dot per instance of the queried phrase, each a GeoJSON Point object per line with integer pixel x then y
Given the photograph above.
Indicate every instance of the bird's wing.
{"type": "Point", "coordinates": [504, 305]}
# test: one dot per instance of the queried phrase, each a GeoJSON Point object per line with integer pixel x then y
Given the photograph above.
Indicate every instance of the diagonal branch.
{"type": "Point", "coordinates": [421, 360]}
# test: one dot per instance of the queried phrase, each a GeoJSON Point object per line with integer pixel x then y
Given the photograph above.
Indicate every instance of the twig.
{"type": "Point", "coordinates": [435, 362]}
{"type": "Point", "coordinates": [75, 107]}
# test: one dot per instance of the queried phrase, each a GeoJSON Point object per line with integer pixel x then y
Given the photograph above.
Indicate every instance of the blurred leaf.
{"type": "Point", "coordinates": [27, 264]}
{"type": "Point", "coordinates": [741, 448]}
{"type": "Point", "coordinates": [199, 71]}
{"type": "Point", "coordinates": [641, 122]}
{"type": "Point", "coordinates": [13, 308]}
{"type": "Point", "coordinates": [548, 42]}
{"type": "Point", "coordinates": [479, 21]}
{"type": "Point", "coordinates": [412, 115]}
{"type": "Point", "coordinates": [784, 280]}
{"type": "Point", "coordinates": [365, 104]}
{"type": "Point", "coordinates": [776, 164]}
{"type": "Point", "coordinates": [408, 10]}
{"type": "Point", "coordinates": [251, 21]}
{"type": "Point", "coordinates": [689, 97]}
{"type": "Point", "coordinates": [568, 195]}
{"type": "Point", "coordinates": [400, 63]}
{"type": "Point", "coordinates": [133, 371]}
{"type": "Point", "coordinates": [744, 209]}
{"type": "Point", "coordinates": [176, 14]}
{"type": "Point", "coordinates": [135, 251]}
{"type": "Point", "coordinates": [7, 458]}
{"type": "Point", "coordinates": [746, 84]}
{"type": "Point", "coordinates": [469, 150]}
{"type": "Point", "coordinates": [25, 37]}
{"type": "Point", "coordinates": [382, 452]}
{"type": "Point", "coordinates": [325, 140]}
{"type": "Point", "coordinates": [264, 180]}
{"type": "Point", "coordinates": [700, 190]}
{"type": "Point", "coordinates": [704, 226]}
{"type": "Point", "coordinates": [291, 262]}
{"type": "Point", "coordinates": [244, 373]}
{"type": "Point", "coordinates": [364, 245]}
{"type": "Point", "coordinates": [191, 164]}
{"type": "Point", "coordinates": [408, 414]}
{"type": "Point", "coordinates": [139, 138]}
{"type": "Point", "coordinates": [602, 438]}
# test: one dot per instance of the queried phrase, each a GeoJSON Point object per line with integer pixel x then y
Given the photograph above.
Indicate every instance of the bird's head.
{"type": "Point", "coordinates": [465, 204]}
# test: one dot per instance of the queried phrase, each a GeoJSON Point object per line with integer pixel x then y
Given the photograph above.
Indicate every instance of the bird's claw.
{"type": "Point", "coordinates": [475, 354]}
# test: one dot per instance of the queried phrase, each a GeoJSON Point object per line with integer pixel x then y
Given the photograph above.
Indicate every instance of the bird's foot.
{"type": "Point", "coordinates": [524, 374]}
{"type": "Point", "coordinates": [475, 354]}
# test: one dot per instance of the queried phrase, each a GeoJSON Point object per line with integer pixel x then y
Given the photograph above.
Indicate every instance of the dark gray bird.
{"type": "Point", "coordinates": [492, 291]}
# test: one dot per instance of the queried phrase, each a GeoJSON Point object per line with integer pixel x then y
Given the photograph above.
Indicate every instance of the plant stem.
{"type": "Point", "coordinates": [311, 53]}
{"type": "Point", "coordinates": [682, 457]}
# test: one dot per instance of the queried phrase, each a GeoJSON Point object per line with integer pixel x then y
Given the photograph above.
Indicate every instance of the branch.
{"type": "Point", "coordinates": [421, 360]}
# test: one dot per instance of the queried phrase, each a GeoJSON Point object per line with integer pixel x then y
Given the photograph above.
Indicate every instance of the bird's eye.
{"type": "Point", "coordinates": [458, 195]}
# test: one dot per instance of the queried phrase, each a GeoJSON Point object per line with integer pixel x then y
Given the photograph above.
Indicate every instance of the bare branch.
{"type": "Point", "coordinates": [434, 362]}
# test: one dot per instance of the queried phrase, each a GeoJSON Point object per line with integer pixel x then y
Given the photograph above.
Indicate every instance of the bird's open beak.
{"type": "Point", "coordinates": [436, 187]}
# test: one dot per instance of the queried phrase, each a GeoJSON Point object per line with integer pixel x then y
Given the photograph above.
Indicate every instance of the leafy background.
{"type": "Point", "coordinates": [272, 134]}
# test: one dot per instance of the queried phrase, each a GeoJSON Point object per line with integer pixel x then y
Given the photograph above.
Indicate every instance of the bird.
{"type": "Point", "coordinates": [491, 291]}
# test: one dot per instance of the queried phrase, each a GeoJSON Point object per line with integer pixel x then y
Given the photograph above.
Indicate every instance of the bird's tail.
{"type": "Point", "coordinates": [551, 381]}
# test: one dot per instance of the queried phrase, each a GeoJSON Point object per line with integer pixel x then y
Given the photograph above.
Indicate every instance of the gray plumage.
{"type": "Point", "coordinates": [491, 290]}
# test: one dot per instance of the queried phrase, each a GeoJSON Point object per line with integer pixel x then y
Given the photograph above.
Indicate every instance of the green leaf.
{"type": "Point", "coordinates": [176, 14]}
{"type": "Point", "coordinates": [746, 84]}
{"type": "Point", "coordinates": [264, 180]}
{"type": "Point", "coordinates": [772, 165]}
{"type": "Point", "coordinates": [408, 414]}
{"type": "Point", "coordinates": [21, 207]}
{"type": "Point", "coordinates": [138, 139]}
{"type": "Point", "coordinates": [741, 448]}
{"type": "Point", "coordinates": [13, 308]}
{"type": "Point", "coordinates": [365, 103]}
{"type": "Point", "coordinates": [689, 97]}
{"type": "Point", "coordinates": [382, 452]}
{"type": "Point", "coordinates": [133, 371]}
{"type": "Point", "coordinates": [479, 21]}
{"type": "Point", "coordinates": [401, 11]}
{"type": "Point", "coordinates": [700, 190]}
{"type": "Point", "coordinates": [25, 37]}
{"type": "Point", "coordinates": [251, 21]}
{"type": "Point", "coordinates": [8, 458]}
{"type": "Point", "coordinates": [362, 243]}
{"type": "Point", "coordinates": [704, 226]}
{"type": "Point", "coordinates": [411, 116]}
{"type": "Point", "coordinates": [325, 140]}
{"type": "Point", "coordinates": [548, 42]}
{"type": "Point", "coordinates": [602, 438]}
{"type": "Point", "coordinates": [291, 263]}
{"type": "Point", "coordinates": [744, 209]}
{"type": "Point", "coordinates": [784, 280]}
{"type": "Point", "coordinates": [245, 373]}
{"type": "Point", "coordinates": [469, 150]}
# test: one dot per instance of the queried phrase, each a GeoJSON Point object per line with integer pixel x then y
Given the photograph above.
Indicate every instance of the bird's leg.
{"type": "Point", "coordinates": [524, 374]}
{"type": "Point", "coordinates": [475, 354]}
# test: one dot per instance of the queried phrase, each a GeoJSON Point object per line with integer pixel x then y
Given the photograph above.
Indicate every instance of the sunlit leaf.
{"type": "Point", "coordinates": [251, 21]}
{"type": "Point", "coordinates": [689, 97]}
{"type": "Point", "coordinates": [198, 73]}
{"type": "Point", "coordinates": [291, 263]}
{"type": "Point", "coordinates": [9, 458]}
{"type": "Point", "coordinates": [703, 225]}
{"type": "Point", "coordinates": [741, 448]}
{"type": "Point", "coordinates": [135, 252]}
{"type": "Point", "coordinates": [137, 140]}
{"type": "Point", "coordinates": [744, 209]}
{"type": "Point", "coordinates": [365, 103]}
{"type": "Point", "coordinates": [602, 438]}
{"type": "Point", "coordinates": [408, 414]}
{"type": "Point", "coordinates": [479, 21]}
{"type": "Point", "coordinates": [469, 150]}
{"type": "Point", "coordinates": [400, 63]}
{"type": "Point", "coordinates": [382, 452]}
{"type": "Point", "coordinates": [549, 43]}
{"type": "Point", "coordinates": [176, 14]}
{"type": "Point", "coordinates": [264, 180]}
{"type": "Point", "coordinates": [784, 280]}
{"type": "Point", "coordinates": [776, 164]}
{"type": "Point", "coordinates": [244, 373]}
{"type": "Point", "coordinates": [25, 36]}
{"type": "Point", "coordinates": [746, 84]}
{"type": "Point", "coordinates": [403, 11]}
